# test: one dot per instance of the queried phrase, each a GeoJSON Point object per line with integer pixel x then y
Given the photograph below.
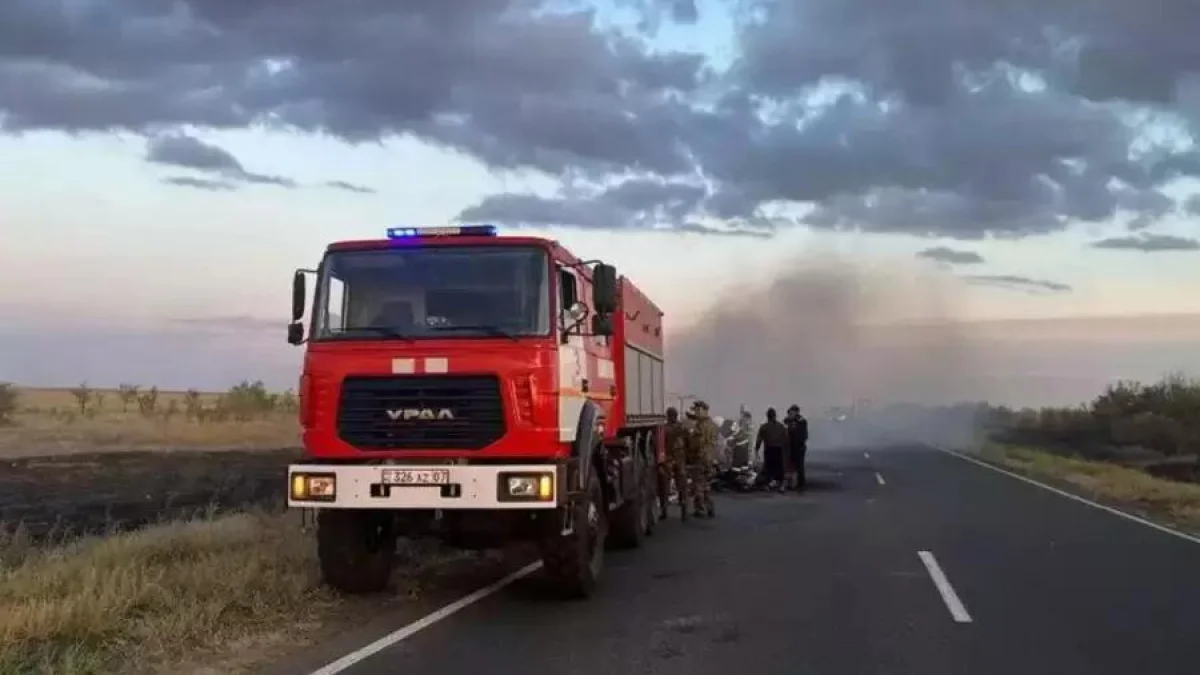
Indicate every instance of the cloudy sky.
{"type": "Point", "coordinates": [164, 165]}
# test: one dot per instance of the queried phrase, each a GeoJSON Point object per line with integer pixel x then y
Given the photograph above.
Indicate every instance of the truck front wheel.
{"type": "Point", "coordinates": [573, 561]}
{"type": "Point", "coordinates": [356, 549]}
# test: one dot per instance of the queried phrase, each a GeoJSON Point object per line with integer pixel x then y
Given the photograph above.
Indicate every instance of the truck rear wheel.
{"type": "Point", "coordinates": [636, 517]}
{"type": "Point", "coordinates": [356, 549]}
{"type": "Point", "coordinates": [573, 562]}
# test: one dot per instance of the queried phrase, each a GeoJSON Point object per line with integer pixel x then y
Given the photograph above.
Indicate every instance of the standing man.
{"type": "Point", "coordinates": [676, 438]}
{"type": "Point", "coordinates": [797, 428]}
{"type": "Point", "coordinates": [741, 440]}
{"type": "Point", "coordinates": [705, 436]}
{"type": "Point", "coordinates": [773, 439]}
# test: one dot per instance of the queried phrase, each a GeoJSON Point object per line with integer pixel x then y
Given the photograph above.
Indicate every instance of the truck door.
{"type": "Point", "coordinates": [572, 357]}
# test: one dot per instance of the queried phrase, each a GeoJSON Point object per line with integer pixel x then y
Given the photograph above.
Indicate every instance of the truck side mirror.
{"type": "Point", "coordinates": [602, 325]}
{"type": "Point", "coordinates": [295, 333]}
{"type": "Point", "coordinates": [299, 295]}
{"type": "Point", "coordinates": [605, 298]}
{"type": "Point", "coordinates": [575, 316]}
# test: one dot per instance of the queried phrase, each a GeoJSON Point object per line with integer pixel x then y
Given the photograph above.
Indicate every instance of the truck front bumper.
{"type": "Point", "coordinates": [440, 486]}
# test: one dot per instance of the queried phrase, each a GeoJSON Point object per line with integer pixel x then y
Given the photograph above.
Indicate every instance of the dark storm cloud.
{"type": "Point", "coordinates": [199, 183]}
{"type": "Point", "coordinates": [951, 118]}
{"type": "Point", "coordinates": [951, 256]}
{"type": "Point", "coordinates": [350, 187]}
{"type": "Point", "coordinates": [632, 204]}
{"type": "Point", "coordinates": [1149, 243]}
{"type": "Point", "coordinates": [186, 152]}
{"type": "Point", "coordinates": [1016, 282]}
{"type": "Point", "coordinates": [190, 153]}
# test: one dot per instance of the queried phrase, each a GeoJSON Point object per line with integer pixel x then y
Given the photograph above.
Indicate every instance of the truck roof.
{"type": "Point", "coordinates": [369, 244]}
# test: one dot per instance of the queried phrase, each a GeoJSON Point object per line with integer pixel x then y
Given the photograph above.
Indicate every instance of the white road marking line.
{"type": "Point", "coordinates": [879, 478]}
{"type": "Point", "coordinates": [1068, 495]}
{"type": "Point", "coordinates": [956, 607]}
{"type": "Point", "coordinates": [424, 622]}
{"type": "Point", "coordinates": [866, 454]}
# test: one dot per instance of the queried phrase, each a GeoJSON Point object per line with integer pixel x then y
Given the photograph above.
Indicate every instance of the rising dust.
{"type": "Point", "coordinates": [829, 331]}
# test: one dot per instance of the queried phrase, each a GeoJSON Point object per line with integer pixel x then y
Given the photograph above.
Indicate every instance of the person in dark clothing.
{"type": "Point", "coordinates": [797, 428]}
{"type": "Point", "coordinates": [773, 439]}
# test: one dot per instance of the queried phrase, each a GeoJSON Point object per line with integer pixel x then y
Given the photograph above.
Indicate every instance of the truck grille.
{"type": "Point", "coordinates": [409, 412]}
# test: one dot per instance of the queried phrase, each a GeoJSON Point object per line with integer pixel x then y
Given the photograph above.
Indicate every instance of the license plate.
{"type": "Point", "coordinates": [416, 477]}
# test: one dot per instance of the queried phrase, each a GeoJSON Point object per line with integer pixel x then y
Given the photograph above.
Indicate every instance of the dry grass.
{"type": "Point", "coordinates": [51, 421]}
{"type": "Point", "coordinates": [214, 595]}
{"type": "Point", "coordinates": [150, 600]}
{"type": "Point", "coordinates": [1174, 502]}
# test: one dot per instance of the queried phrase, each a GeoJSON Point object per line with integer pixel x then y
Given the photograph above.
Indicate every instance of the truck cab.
{"type": "Point", "coordinates": [465, 385]}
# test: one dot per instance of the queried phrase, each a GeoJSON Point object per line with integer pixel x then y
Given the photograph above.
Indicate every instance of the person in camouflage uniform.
{"type": "Point", "coordinates": [702, 452]}
{"type": "Point", "coordinates": [676, 440]}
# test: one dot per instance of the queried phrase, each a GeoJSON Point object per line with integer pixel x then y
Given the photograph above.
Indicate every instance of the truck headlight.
{"type": "Point", "coordinates": [526, 487]}
{"type": "Point", "coordinates": [313, 487]}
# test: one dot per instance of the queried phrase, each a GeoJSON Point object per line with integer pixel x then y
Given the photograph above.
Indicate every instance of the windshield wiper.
{"type": "Point", "coordinates": [494, 331]}
{"type": "Point", "coordinates": [386, 331]}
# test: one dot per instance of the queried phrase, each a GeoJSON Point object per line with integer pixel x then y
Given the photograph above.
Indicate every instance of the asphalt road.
{"type": "Point", "coordinates": [1013, 579]}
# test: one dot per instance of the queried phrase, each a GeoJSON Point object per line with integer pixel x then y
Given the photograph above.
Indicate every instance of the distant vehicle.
{"type": "Point", "coordinates": [481, 389]}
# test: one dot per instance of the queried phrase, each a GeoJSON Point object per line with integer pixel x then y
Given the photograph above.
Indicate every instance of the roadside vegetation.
{"type": "Point", "coordinates": [158, 596]}
{"type": "Point", "coordinates": [1151, 427]}
{"type": "Point", "coordinates": [132, 417]}
{"type": "Point", "coordinates": [1136, 446]}
{"type": "Point", "coordinates": [212, 595]}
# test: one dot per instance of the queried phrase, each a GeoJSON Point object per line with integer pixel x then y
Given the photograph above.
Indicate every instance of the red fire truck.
{"type": "Point", "coordinates": [482, 389]}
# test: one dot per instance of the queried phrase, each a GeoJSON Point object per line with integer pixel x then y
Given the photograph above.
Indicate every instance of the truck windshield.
{"type": "Point", "coordinates": [433, 292]}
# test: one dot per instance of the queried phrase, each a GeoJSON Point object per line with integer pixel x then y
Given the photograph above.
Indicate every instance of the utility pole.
{"type": "Point", "coordinates": [681, 398]}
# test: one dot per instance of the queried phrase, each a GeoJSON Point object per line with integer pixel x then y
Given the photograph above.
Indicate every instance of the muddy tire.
{"type": "Point", "coordinates": [631, 519]}
{"type": "Point", "coordinates": [356, 549]}
{"type": "Point", "coordinates": [573, 562]}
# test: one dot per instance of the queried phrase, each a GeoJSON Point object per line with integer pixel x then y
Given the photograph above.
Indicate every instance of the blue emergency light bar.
{"type": "Point", "coordinates": [450, 231]}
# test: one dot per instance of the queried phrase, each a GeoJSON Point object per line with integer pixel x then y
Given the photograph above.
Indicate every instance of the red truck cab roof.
{"type": "Point", "coordinates": [376, 244]}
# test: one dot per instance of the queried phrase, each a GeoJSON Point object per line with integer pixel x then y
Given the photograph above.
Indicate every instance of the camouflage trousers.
{"type": "Point", "coordinates": [675, 470]}
{"type": "Point", "coordinates": [701, 474]}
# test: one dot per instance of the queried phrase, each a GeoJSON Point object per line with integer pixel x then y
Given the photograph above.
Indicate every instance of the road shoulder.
{"type": "Point", "coordinates": [1161, 503]}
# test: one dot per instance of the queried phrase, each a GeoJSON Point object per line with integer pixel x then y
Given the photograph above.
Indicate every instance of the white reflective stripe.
{"type": "Point", "coordinates": [569, 408]}
{"type": "Point", "coordinates": [605, 369]}
{"type": "Point", "coordinates": [437, 365]}
{"type": "Point", "coordinates": [572, 361]}
{"type": "Point", "coordinates": [403, 366]}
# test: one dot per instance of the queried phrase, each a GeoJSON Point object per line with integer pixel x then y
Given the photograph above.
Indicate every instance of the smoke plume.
{"type": "Point", "coordinates": [827, 332]}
